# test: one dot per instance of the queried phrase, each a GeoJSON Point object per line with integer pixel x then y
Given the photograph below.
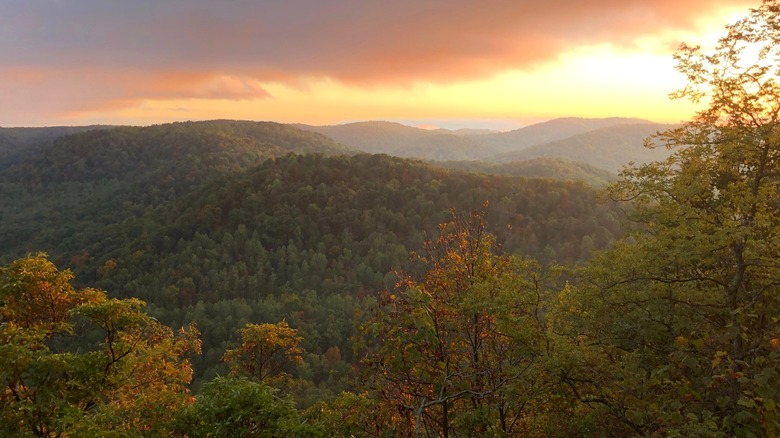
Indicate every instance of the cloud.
{"type": "Point", "coordinates": [142, 49]}
{"type": "Point", "coordinates": [53, 92]}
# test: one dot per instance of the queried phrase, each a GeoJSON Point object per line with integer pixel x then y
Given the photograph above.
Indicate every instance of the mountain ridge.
{"type": "Point", "coordinates": [601, 142]}
{"type": "Point", "coordinates": [545, 139]}
{"type": "Point", "coordinates": [609, 148]}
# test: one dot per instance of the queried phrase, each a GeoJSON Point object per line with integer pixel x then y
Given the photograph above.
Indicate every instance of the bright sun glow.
{"type": "Point", "coordinates": [591, 81]}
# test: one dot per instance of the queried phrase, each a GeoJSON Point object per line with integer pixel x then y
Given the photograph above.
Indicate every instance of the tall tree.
{"type": "Point", "coordinates": [267, 351]}
{"type": "Point", "coordinates": [688, 307]}
{"type": "Point", "coordinates": [457, 350]}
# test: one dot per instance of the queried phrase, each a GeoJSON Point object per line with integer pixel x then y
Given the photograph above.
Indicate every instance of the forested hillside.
{"type": "Point", "coordinates": [17, 144]}
{"type": "Point", "coordinates": [178, 216]}
{"type": "Point", "coordinates": [543, 167]}
{"type": "Point", "coordinates": [62, 198]}
{"type": "Point", "coordinates": [348, 209]}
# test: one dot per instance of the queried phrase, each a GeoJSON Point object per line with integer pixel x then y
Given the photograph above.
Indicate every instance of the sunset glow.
{"type": "Point", "coordinates": [597, 62]}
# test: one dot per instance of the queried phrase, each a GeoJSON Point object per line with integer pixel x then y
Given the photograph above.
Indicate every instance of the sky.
{"type": "Point", "coordinates": [497, 64]}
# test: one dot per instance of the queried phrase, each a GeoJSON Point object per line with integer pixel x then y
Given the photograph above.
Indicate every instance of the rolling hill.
{"type": "Point", "coordinates": [551, 130]}
{"type": "Point", "coordinates": [607, 143]}
{"type": "Point", "coordinates": [608, 148]}
{"type": "Point", "coordinates": [66, 192]}
{"type": "Point", "coordinates": [18, 144]}
{"type": "Point", "coordinates": [405, 141]}
{"type": "Point", "coordinates": [223, 222]}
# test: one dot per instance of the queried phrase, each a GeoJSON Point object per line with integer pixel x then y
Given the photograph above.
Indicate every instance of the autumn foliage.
{"type": "Point", "coordinates": [75, 361]}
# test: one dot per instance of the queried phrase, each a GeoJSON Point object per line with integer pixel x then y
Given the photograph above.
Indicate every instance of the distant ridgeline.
{"type": "Point", "coordinates": [606, 145]}
{"type": "Point", "coordinates": [227, 222]}
{"type": "Point", "coordinates": [17, 144]}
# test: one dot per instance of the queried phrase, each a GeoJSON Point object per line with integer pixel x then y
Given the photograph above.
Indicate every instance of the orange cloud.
{"type": "Point", "coordinates": [82, 54]}
{"type": "Point", "coordinates": [52, 93]}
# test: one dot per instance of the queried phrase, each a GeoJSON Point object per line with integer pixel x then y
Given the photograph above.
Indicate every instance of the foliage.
{"type": "Point", "coordinates": [230, 407]}
{"type": "Point", "coordinates": [217, 254]}
{"type": "Point", "coordinates": [339, 225]}
{"type": "Point", "coordinates": [119, 174]}
{"type": "Point", "coordinates": [458, 351]}
{"type": "Point", "coordinates": [356, 415]}
{"type": "Point", "coordinates": [266, 352]}
{"type": "Point", "coordinates": [684, 315]}
{"type": "Point", "coordinates": [20, 144]}
{"type": "Point", "coordinates": [189, 218]}
{"type": "Point", "coordinates": [77, 360]}
{"type": "Point", "coordinates": [543, 167]}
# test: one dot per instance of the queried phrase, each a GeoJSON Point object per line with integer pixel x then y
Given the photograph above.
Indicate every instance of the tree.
{"type": "Point", "coordinates": [75, 362]}
{"type": "Point", "coordinates": [458, 350]}
{"type": "Point", "coordinates": [237, 407]}
{"type": "Point", "coordinates": [688, 307]}
{"type": "Point", "coordinates": [355, 415]}
{"type": "Point", "coordinates": [267, 351]}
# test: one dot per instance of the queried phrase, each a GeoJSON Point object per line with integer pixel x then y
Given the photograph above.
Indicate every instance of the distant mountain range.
{"type": "Point", "coordinates": [604, 144]}
{"type": "Point", "coordinates": [609, 148]}
{"type": "Point", "coordinates": [552, 130]}
{"type": "Point", "coordinates": [405, 141]}
{"type": "Point", "coordinates": [590, 150]}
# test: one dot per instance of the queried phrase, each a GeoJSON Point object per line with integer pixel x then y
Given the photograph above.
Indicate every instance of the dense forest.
{"type": "Point", "coordinates": [253, 279]}
{"type": "Point", "coordinates": [195, 220]}
{"type": "Point", "coordinates": [543, 167]}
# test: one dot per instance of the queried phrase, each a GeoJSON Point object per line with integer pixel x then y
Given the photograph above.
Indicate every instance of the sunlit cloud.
{"type": "Point", "coordinates": [329, 61]}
